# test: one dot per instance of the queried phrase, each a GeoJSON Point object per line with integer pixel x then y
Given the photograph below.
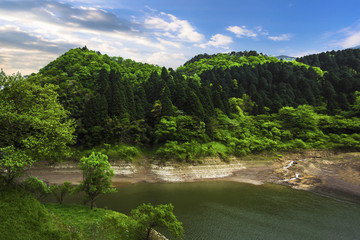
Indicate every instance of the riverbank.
{"type": "Point", "coordinates": [213, 169]}
{"type": "Point", "coordinates": [335, 174]}
{"type": "Point", "coordinates": [326, 172]}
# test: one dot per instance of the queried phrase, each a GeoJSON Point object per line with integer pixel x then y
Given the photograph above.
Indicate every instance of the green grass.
{"type": "Point", "coordinates": [82, 220]}
{"type": "Point", "coordinates": [94, 224]}
{"type": "Point", "coordinates": [23, 217]}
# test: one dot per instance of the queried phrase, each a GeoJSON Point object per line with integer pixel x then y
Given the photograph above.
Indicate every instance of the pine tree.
{"type": "Point", "coordinates": [166, 104]}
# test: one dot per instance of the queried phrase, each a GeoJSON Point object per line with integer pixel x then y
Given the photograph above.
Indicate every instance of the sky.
{"type": "Point", "coordinates": [169, 32]}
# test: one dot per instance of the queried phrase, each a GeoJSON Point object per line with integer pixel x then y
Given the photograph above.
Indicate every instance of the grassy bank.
{"type": "Point", "coordinates": [24, 217]}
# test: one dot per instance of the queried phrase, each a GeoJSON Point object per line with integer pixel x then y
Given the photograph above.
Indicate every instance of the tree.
{"type": "Point", "coordinates": [97, 175]}
{"type": "Point", "coordinates": [32, 119]}
{"type": "Point", "coordinates": [149, 217]}
{"type": "Point", "coordinates": [166, 104]}
{"type": "Point", "coordinates": [356, 105]}
{"type": "Point", "coordinates": [12, 164]}
{"type": "Point", "coordinates": [60, 191]}
{"type": "Point", "coordinates": [36, 186]}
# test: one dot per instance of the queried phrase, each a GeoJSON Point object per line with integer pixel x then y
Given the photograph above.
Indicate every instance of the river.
{"type": "Point", "coordinates": [226, 210]}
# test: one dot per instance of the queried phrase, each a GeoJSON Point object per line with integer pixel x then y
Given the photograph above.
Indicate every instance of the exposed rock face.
{"type": "Point", "coordinates": [326, 172]}
{"type": "Point", "coordinates": [124, 169]}
{"type": "Point", "coordinates": [330, 173]}
{"type": "Point", "coordinates": [212, 168]}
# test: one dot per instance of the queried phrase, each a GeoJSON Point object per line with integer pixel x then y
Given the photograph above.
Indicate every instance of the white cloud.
{"type": "Point", "coordinates": [349, 36]}
{"type": "Point", "coordinates": [169, 43]}
{"type": "Point", "coordinates": [242, 31]}
{"type": "Point", "coordinates": [29, 60]}
{"type": "Point", "coordinates": [49, 28]}
{"type": "Point", "coordinates": [218, 40]}
{"type": "Point", "coordinates": [166, 59]}
{"type": "Point", "coordinates": [172, 27]}
{"type": "Point", "coordinates": [352, 40]}
{"type": "Point", "coordinates": [282, 37]}
{"type": "Point", "coordinates": [258, 31]}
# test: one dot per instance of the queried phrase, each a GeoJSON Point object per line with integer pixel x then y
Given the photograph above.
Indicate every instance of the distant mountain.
{"type": "Point", "coordinates": [286, 58]}
{"type": "Point", "coordinates": [356, 47]}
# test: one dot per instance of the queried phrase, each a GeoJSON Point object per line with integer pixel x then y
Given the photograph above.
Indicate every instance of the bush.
{"type": "Point", "coordinates": [118, 226]}
{"type": "Point", "coordinates": [123, 152]}
{"type": "Point", "coordinates": [36, 187]}
{"type": "Point", "coordinates": [188, 151]}
{"type": "Point", "coordinates": [60, 191]}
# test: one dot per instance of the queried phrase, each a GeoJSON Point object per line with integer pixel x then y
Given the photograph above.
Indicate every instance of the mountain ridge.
{"type": "Point", "coordinates": [221, 104]}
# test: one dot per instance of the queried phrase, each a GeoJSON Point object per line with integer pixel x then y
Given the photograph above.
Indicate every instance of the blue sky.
{"type": "Point", "coordinates": [168, 32]}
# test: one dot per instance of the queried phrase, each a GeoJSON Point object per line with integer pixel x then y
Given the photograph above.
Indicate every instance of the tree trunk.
{"type": "Point", "coordinates": [148, 234]}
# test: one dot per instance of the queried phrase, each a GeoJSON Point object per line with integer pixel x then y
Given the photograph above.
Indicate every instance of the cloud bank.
{"type": "Point", "coordinates": [48, 28]}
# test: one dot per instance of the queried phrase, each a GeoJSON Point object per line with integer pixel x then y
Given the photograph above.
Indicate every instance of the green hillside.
{"type": "Point", "coordinates": [204, 62]}
{"type": "Point", "coordinates": [223, 104]}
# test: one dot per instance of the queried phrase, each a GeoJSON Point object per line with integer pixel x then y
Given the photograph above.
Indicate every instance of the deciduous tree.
{"type": "Point", "coordinates": [12, 164]}
{"type": "Point", "coordinates": [97, 176]}
{"type": "Point", "coordinates": [149, 217]}
{"type": "Point", "coordinates": [33, 120]}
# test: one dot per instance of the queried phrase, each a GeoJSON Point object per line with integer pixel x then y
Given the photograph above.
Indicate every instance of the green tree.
{"type": "Point", "coordinates": [36, 187]}
{"type": "Point", "coordinates": [97, 176]}
{"type": "Point", "coordinates": [194, 106]}
{"type": "Point", "coordinates": [356, 105]}
{"type": "Point", "coordinates": [12, 164]}
{"type": "Point", "coordinates": [166, 104]}
{"type": "Point", "coordinates": [60, 191]}
{"type": "Point", "coordinates": [150, 217]}
{"type": "Point", "coordinates": [32, 119]}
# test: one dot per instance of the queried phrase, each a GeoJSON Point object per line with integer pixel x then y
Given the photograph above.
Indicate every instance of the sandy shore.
{"type": "Point", "coordinates": [324, 172]}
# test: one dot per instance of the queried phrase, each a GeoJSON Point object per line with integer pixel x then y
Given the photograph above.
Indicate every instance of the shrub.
{"type": "Point", "coordinates": [36, 187]}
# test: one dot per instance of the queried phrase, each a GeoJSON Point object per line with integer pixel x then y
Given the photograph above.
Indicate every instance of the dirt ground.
{"type": "Point", "coordinates": [330, 173]}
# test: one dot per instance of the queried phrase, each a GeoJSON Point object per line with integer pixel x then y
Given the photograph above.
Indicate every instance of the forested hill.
{"type": "Point", "coordinates": [343, 76]}
{"type": "Point", "coordinates": [203, 62]}
{"type": "Point", "coordinates": [223, 99]}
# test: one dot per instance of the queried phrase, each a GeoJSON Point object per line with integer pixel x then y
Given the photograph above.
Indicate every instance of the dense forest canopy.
{"type": "Point", "coordinates": [233, 103]}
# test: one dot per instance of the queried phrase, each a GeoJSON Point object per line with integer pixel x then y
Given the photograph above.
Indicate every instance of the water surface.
{"type": "Point", "coordinates": [224, 210]}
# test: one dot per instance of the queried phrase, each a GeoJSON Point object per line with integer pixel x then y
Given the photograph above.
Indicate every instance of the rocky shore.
{"type": "Point", "coordinates": [329, 173]}
{"type": "Point", "coordinates": [325, 172]}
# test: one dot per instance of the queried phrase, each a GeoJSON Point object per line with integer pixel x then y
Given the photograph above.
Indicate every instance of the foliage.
{"type": "Point", "coordinates": [180, 128]}
{"type": "Point", "coordinates": [23, 217]}
{"type": "Point", "coordinates": [12, 164]}
{"type": "Point", "coordinates": [107, 224]}
{"type": "Point", "coordinates": [33, 120]}
{"type": "Point", "coordinates": [119, 226]}
{"type": "Point", "coordinates": [60, 191]}
{"type": "Point", "coordinates": [97, 175]}
{"type": "Point", "coordinates": [81, 220]}
{"type": "Point", "coordinates": [149, 217]}
{"type": "Point", "coordinates": [115, 152]}
{"type": "Point", "coordinates": [189, 152]}
{"type": "Point", "coordinates": [36, 187]}
{"type": "Point", "coordinates": [356, 105]}
{"type": "Point", "coordinates": [201, 63]}
{"type": "Point", "coordinates": [244, 102]}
